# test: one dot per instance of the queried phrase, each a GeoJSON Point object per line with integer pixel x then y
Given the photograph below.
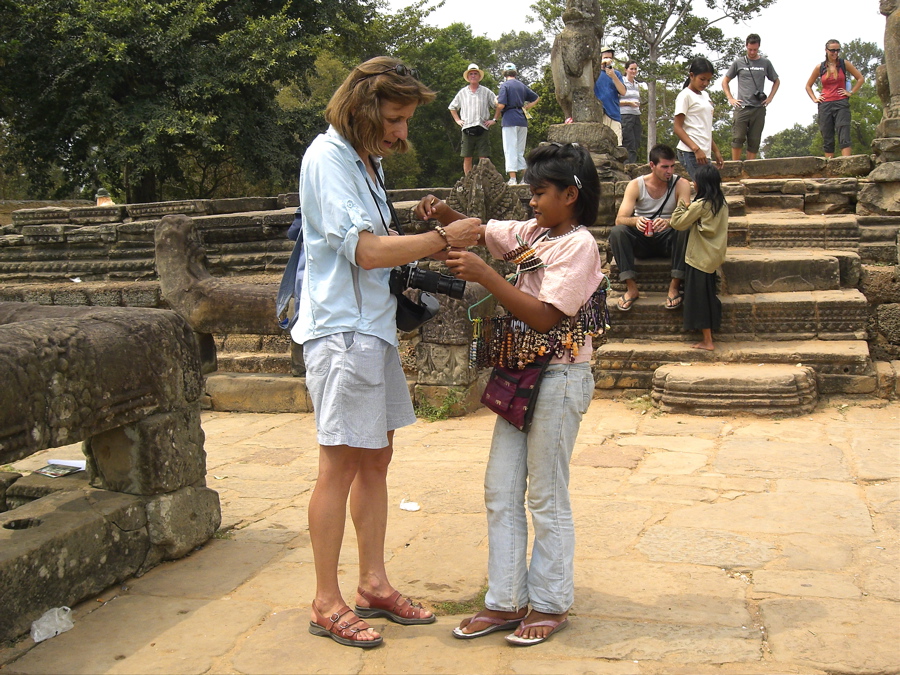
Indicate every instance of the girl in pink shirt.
{"type": "Point", "coordinates": [551, 304]}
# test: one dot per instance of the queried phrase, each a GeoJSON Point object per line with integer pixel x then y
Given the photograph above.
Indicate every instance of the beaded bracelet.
{"type": "Point", "coordinates": [441, 231]}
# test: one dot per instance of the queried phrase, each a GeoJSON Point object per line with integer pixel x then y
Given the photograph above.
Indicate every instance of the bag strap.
{"type": "Point", "coordinates": [394, 219]}
{"type": "Point", "coordinates": [666, 198]}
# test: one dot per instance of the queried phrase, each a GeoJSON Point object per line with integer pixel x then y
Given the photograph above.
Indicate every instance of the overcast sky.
{"type": "Point", "coordinates": [793, 36]}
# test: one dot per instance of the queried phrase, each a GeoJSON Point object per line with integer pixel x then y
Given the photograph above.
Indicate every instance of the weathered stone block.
{"type": "Point", "coordinates": [885, 380]}
{"type": "Point", "coordinates": [63, 548]}
{"type": "Point", "coordinates": [289, 200]}
{"type": "Point", "coordinates": [878, 199]}
{"type": "Point", "coordinates": [881, 284]}
{"type": "Point", "coordinates": [787, 166]}
{"type": "Point", "coordinates": [160, 209]}
{"type": "Point", "coordinates": [242, 204]}
{"type": "Point", "coordinates": [7, 478]}
{"type": "Point", "coordinates": [36, 486]}
{"type": "Point", "coordinates": [451, 325]}
{"type": "Point", "coordinates": [854, 165]}
{"type": "Point", "coordinates": [889, 127]}
{"type": "Point", "coordinates": [258, 393]}
{"type": "Point", "coordinates": [888, 172]}
{"type": "Point", "coordinates": [887, 149]}
{"type": "Point", "coordinates": [180, 521]}
{"type": "Point", "coordinates": [774, 202]}
{"type": "Point", "coordinates": [467, 397]}
{"type": "Point", "coordinates": [82, 371]}
{"type": "Point", "coordinates": [732, 170]}
{"type": "Point", "coordinates": [50, 214]}
{"type": "Point", "coordinates": [889, 322]}
{"type": "Point", "coordinates": [443, 364]}
{"type": "Point", "coordinates": [87, 215]}
{"type": "Point", "coordinates": [160, 453]}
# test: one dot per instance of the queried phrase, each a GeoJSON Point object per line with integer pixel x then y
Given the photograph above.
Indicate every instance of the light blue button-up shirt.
{"type": "Point", "coordinates": [336, 199]}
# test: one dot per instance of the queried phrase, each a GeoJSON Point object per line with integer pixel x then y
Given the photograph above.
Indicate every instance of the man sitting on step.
{"type": "Point", "coordinates": [642, 226]}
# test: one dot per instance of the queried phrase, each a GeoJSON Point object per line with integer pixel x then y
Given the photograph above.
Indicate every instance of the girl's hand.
{"type": "Point", "coordinates": [428, 207]}
{"type": "Point", "coordinates": [466, 266]}
{"type": "Point", "coordinates": [701, 157]}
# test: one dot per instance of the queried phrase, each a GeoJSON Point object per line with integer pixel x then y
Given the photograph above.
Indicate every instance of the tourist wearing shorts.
{"type": "Point", "coordinates": [471, 110]}
{"type": "Point", "coordinates": [834, 100]}
{"type": "Point", "coordinates": [751, 71]}
{"type": "Point", "coordinates": [347, 326]}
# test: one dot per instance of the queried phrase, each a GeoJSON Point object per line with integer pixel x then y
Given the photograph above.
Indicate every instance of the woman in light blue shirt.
{"type": "Point", "coordinates": [347, 326]}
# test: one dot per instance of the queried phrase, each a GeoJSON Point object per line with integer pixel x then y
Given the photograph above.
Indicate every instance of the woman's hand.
{"type": "Point", "coordinates": [466, 265]}
{"type": "Point", "coordinates": [464, 233]}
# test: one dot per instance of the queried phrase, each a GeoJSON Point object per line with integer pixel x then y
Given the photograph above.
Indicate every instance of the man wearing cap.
{"type": "Point", "coordinates": [608, 88]}
{"type": "Point", "coordinates": [513, 100]}
{"type": "Point", "coordinates": [471, 110]}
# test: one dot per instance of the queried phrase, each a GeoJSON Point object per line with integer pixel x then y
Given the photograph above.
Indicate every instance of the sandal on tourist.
{"type": "Point", "coordinates": [394, 608]}
{"type": "Point", "coordinates": [674, 303]}
{"type": "Point", "coordinates": [519, 641]}
{"type": "Point", "coordinates": [624, 304]}
{"type": "Point", "coordinates": [344, 632]}
{"type": "Point", "coordinates": [495, 624]}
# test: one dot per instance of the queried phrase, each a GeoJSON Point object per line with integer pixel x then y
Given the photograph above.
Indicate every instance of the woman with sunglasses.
{"type": "Point", "coordinates": [834, 100]}
{"type": "Point", "coordinates": [347, 326]}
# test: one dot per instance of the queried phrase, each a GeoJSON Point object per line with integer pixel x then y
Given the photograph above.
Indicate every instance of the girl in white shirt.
{"type": "Point", "coordinates": [694, 119]}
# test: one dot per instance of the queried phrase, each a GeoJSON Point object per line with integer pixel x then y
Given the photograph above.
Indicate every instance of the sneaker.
{"type": "Point", "coordinates": [511, 181]}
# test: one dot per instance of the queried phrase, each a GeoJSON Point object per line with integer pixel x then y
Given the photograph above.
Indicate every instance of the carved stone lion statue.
{"type": "Point", "coordinates": [575, 61]}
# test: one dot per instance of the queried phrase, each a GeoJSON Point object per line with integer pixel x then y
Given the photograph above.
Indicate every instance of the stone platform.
{"type": "Point", "coordinates": [731, 545]}
{"type": "Point", "coordinates": [722, 389]}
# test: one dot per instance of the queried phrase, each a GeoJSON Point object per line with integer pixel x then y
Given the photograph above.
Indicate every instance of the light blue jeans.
{"type": "Point", "coordinates": [538, 461]}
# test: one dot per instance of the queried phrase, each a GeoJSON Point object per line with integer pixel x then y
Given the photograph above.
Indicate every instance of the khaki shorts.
{"type": "Point", "coordinates": [475, 146]}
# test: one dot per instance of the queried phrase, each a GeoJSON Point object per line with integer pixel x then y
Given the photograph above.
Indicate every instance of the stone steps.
{"type": "Point", "coordinates": [824, 315]}
{"type": "Point", "coordinates": [761, 270]}
{"type": "Point", "coordinates": [726, 389]}
{"type": "Point", "coordinates": [841, 366]}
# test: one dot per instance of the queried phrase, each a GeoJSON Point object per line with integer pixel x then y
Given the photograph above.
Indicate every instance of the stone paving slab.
{"type": "Point", "coordinates": [727, 546]}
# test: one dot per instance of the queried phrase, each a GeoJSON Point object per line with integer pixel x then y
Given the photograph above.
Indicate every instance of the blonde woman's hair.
{"type": "Point", "coordinates": [355, 108]}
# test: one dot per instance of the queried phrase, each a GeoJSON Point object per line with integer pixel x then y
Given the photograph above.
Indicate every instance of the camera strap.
{"type": "Point", "coordinates": [752, 76]}
{"type": "Point", "coordinates": [394, 219]}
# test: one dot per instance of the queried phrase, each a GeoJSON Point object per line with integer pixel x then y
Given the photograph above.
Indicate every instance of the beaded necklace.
{"type": "Point", "coordinates": [506, 341]}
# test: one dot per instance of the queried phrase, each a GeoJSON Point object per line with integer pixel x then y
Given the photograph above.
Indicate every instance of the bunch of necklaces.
{"type": "Point", "coordinates": [508, 342]}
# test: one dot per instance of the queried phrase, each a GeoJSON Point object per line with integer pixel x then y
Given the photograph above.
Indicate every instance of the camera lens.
{"type": "Point", "coordinates": [432, 282]}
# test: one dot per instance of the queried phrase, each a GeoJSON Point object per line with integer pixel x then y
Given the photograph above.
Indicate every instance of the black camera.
{"type": "Point", "coordinates": [759, 95]}
{"type": "Point", "coordinates": [410, 276]}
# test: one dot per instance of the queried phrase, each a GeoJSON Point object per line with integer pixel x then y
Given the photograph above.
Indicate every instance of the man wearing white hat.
{"type": "Point", "coordinates": [471, 109]}
{"type": "Point", "coordinates": [513, 100]}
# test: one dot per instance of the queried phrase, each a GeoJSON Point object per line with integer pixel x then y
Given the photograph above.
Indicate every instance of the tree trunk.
{"type": "Point", "coordinates": [145, 190]}
{"type": "Point", "coordinates": [651, 98]}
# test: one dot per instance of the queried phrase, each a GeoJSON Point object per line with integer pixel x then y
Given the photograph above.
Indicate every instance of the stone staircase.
{"type": "Point", "coordinates": [789, 291]}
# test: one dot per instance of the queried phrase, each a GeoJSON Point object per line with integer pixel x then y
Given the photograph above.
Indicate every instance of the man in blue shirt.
{"type": "Point", "coordinates": [513, 100]}
{"type": "Point", "coordinates": [608, 88]}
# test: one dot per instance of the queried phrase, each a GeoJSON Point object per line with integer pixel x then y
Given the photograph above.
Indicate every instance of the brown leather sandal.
{"type": "Point", "coordinates": [395, 608]}
{"type": "Point", "coordinates": [343, 632]}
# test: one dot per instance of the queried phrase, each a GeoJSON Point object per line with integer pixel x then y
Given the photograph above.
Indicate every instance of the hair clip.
{"type": "Point", "coordinates": [577, 180]}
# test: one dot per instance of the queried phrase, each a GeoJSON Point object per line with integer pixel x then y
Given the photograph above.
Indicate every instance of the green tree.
{"type": "Point", "coordinates": [530, 52]}
{"type": "Point", "coordinates": [663, 36]}
{"type": "Point", "coordinates": [155, 97]}
{"type": "Point", "coordinates": [794, 142]}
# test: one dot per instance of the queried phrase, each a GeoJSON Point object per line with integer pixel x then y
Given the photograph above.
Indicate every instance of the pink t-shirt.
{"type": "Point", "coordinates": [572, 271]}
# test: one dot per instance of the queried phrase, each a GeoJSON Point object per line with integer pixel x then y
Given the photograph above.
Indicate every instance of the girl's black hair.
{"type": "Point", "coordinates": [698, 66]}
{"type": "Point", "coordinates": [709, 186]}
{"type": "Point", "coordinates": [562, 165]}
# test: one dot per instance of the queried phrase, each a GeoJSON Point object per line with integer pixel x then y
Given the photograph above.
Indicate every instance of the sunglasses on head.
{"type": "Point", "coordinates": [400, 69]}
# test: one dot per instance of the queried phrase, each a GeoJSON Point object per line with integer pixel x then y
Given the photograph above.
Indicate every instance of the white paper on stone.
{"type": "Point", "coordinates": [406, 505]}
